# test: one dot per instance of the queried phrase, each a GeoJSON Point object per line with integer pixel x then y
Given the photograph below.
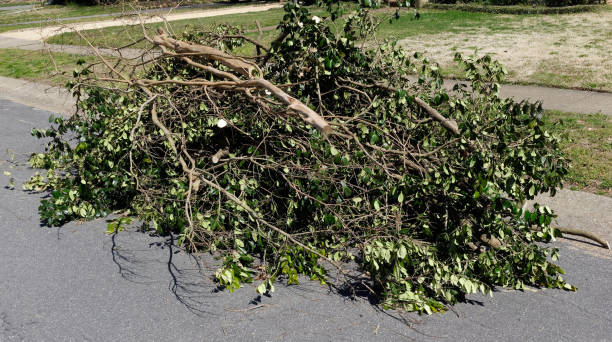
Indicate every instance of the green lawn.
{"type": "Point", "coordinates": [51, 13]}
{"type": "Point", "coordinates": [38, 65]}
{"type": "Point", "coordinates": [587, 142]}
{"type": "Point", "coordinates": [120, 36]}
{"type": "Point", "coordinates": [435, 21]}
{"type": "Point", "coordinates": [431, 22]}
{"type": "Point", "coordinates": [17, 3]}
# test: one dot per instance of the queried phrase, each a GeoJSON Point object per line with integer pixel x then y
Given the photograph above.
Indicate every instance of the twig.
{"type": "Point", "coordinates": [249, 309]}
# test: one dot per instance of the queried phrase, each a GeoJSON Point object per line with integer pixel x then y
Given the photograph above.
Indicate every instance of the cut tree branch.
{"type": "Point", "coordinates": [239, 66]}
{"type": "Point", "coordinates": [584, 233]}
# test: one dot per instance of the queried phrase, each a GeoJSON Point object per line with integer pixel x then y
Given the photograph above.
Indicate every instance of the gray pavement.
{"type": "Point", "coordinates": [37, 45]}
{"type": "Point", "coordinates": [37, 95]}
{"type": "Point", "coordinates": [15, 43]}
{"type": "Point", "coordinates": [581, 210]}
{"type": "Point", "coordinates": [76, 283]}
{"type": "Point", "coordinates": [566, 100]}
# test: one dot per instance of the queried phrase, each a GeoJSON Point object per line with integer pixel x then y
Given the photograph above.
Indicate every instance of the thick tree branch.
{"type": "Point", "coordinates": [237, 64]}
{"type": "Point", "coordinates": [240, 66]}
{"type": "Point", "coordinates": [580, 232]}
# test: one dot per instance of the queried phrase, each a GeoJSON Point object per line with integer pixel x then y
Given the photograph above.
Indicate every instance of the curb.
{"type": "Point", "coordinates": [41, 96]}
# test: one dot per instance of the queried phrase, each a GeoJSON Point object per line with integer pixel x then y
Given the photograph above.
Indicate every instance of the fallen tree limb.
{"type": "Point", "coordinates": [580, 232]}
{"type": "Point", "coordinates": [239, 65]}
{"type": "Point", "coordinates": [393, 188]}
{"type": "Point", "coordinates": [449, 124]}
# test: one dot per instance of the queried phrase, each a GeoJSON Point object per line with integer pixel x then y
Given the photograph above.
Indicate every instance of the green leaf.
{"type": "Point", "coordinates": [261, 288]}
{"type": "Point", "coordinates": [402, 252]}
{"type": "Point", "coordinates": [376, 205]}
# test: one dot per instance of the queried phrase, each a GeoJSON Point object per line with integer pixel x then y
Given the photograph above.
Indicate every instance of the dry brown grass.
{"type": "Point", "coordinates": [573, 50]}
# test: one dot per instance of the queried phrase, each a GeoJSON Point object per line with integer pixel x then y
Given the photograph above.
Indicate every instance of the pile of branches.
{"type": "Point", "coordinates": [318, 151]}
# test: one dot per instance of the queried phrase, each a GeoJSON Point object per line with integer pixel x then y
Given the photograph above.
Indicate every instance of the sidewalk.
{"type": "Point", "coordinates": [41, 96]}
{"type": "Point", "coordinates": [567, 100]}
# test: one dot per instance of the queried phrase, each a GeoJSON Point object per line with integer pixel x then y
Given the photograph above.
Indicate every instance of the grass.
{"type": "Point", "coordinates": [443, 32]}
{"type": "Point", "coordinates": [435, 22]}
{"type": "Point", "coordinates": [550, 69]}
{"type": "Point", "coordinates": [438, 32]}
{"type": "Point", "coordinates": [120, 36]}
{"type": "Point", "coordinates": [51, 14]}
{"type": "Point", "coordinates": [565, 51]}
{"type": "Point", "coordinates": [517, 9]}
{"type": "Point", "coordinates": [38, 65]}
{"type": "Point", "coordinates": [587, 142]}
{"type": "Point", "coordinates": [432, 23]}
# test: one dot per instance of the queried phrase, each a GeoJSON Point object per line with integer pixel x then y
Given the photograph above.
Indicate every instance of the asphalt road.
{"type": "Point", "coordinates": [78, 284]}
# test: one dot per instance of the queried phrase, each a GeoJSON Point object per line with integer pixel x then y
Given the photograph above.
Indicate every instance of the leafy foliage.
{"type": "Point", "coordinates": [429, 208]}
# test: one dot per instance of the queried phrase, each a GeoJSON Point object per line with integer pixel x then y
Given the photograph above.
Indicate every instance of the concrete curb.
{"type": "Point", "coordinates": [41, 96]}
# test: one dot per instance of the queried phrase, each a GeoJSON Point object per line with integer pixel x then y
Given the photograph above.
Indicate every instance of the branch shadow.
{"type": "Point", "coordinates": [186, 284]}
{"type": "Point", "coordinates": [127, 262]}
{"type": "Point", "coordinates": [187, 279]}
